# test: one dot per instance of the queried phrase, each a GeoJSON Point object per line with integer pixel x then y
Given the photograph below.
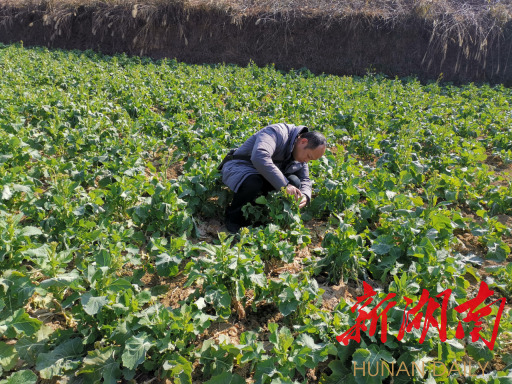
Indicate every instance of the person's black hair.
{"type": "Point", "coordinates": [315, 139]}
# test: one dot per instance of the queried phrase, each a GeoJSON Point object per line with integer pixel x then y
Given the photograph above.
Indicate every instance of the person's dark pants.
{"type": "Point", "coordinates": [252, 187]}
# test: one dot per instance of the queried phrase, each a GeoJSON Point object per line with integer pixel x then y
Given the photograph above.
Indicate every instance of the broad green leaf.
{"type": "Point", "coordinates": [22, 323]}
{"type": "Point", "coordinates": [259, 279]}
{"type": "Point", "coordinates": [166, 265]}
{"type": "Point", "coordinates": [315, 352]}
{"type": "Point", "coordinates": [381, 248]}
{"type": "Point", "coordinates": [63, 280]}
{"type": "Point", "coordinates": [103, 258]}
{"type": "Point", "coordinates": [21, 377]}
{"type": "Point", "coordinates": [340, 374]}
{"type": "Point", "coordinates": [282, 380]}
{"type": "Point", "coordinates": [261, 200]}
{"type": "Point", "coordinates": [221, 299]}
{"type": "Point", "coordinates": [92, 304]}
{"type": "Point", "coordinates": [30, 231]}
{"type": "Point", "coordinates": [120, 285]}
{"type": "Point", "coordinates": [40, 252]}
{"type": "Point", "coordinates": [135, 350]}
{"type": "Point", "coordinates": [5, 157]}
{"type": "Point", "coordinates": [65, 357]}
{"type": "Point", "coordinates": [217, 358]}
{"type": "Point", "coordinates": [265, 369]}
{"type": "Point", "coordinates": [282, 339]}
{"type": "Point", "coordinates": [440, 221]}
{"type": "Point", "coordinates": [30, 347]}
{"type": "Point", "coordinates": [369, 361]}
{"type": "Point", "coordinates": [505, 379]}
{"type": "Point", "coordinates": [21, 188]}
{"type": "Point", "coordinates": [102, 364]}
{"type": "Point", "coordinates": [479, 351]}
{"type": "Point", "coordinates": [410, 365]}
{"type": "Point", "coordinates": [289, 300]}
{"type": "Point", "coordinates": [178, 369]}
{"type": "Point", "coordinates": [165, 344]}
{"type": "Point", "coordinates": [122, 332]}
{"type": "Point", "coordinates": [226, 378]}
{"type": "Point", "coordinates": [19, 288]}
{"type": "Point", "coordinates": [406, 177]}
{"type": "Point", "coordinates": [497, 250]}
{"type": "Point", "coordinates": [8, 357]}
{"type": "Point", "coordinates": [450, 350]}
{"type": "Point", "coordinates": [144, 297]}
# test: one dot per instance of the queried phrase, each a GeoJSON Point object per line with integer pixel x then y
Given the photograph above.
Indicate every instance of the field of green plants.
{"type": "Point", "coordinates": [111, 268]}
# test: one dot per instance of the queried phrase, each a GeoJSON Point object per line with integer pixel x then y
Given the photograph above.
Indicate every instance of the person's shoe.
{"type": "Point", "coordinates": [232, 227]}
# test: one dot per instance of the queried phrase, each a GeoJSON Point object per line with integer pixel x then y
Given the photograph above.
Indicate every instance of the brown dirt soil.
{"type": "Point", "coordinates": [334, 293]}
{"type": "Point", "coordinates": [230, 330]}
{"type": "Point", "coordinates": [503, 170]}
{"type": "Point", "coordinates": [505, 220]}
{"type": "Point", "coordinates": [468, 243]}
{"type": "Point", "coordinates": [162, 159]}
{"type": "Point", "coordinates": [175, 170]}
{"type": "Point", "coordinates": [439, 40]}
{"type": "Point", "coordinates": [151, 279]}
{"type": "Point", "coordinates": [176, 292]}
{"type": "Point", "coordinates": [275, 267]}
{"type": "Point", "coordinates": [318, 228]}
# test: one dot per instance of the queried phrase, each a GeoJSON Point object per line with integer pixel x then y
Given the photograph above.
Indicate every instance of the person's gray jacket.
{"type": "Point", "coordinates": [269, 149]}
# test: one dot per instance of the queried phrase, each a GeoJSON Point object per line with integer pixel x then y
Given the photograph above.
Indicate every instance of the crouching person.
{"type": "Point", "coordinates": [275, 157]}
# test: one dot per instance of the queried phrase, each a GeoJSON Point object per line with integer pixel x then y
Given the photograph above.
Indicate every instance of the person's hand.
{"type": "Point", "coordinates": [294, 191]}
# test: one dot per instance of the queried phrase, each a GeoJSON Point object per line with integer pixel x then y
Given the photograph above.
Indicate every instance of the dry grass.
{"type": "Point", "coordinates": [444, 14]}
{"type": "Point", "coordinates": [472, 28]}
{"type": "Point", "coordinates": [387, 10]}
{"type": "Point", "coordinates": [473, 25]}
{"type": "Point", "coordinates": [108, 16]}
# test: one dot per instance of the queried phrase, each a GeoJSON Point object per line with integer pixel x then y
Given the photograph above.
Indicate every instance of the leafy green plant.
{"type": "Point", "coordinates": [273, 242]}
{"type": "Point", "coordinates": [161, 211]}
{"type": "Point", "coordinates": [503, 275]}
{"type": "Point", "coordinates": [277, 207]}
{"type": "Point", "coordinates": [108, 165]}
{"type": "Point", "coordinates": [290, 355]}
{"type": "Point", "coordinates": [226, 274]}
{"type": "Point", "coordinates": [345, 254]}
{"type": "Point", "coordinates": [293, 293]}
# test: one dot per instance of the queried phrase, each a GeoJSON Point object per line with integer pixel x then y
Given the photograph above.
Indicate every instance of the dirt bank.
{"type": "Point", "coordinates": [474, 45]}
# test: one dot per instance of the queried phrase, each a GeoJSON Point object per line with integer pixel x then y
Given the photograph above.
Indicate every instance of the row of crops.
{"type": "Point", "coordinates": [108, 171]}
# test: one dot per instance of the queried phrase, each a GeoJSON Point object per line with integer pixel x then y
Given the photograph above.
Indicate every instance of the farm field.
{"type": "Point", "coordinates": [114, 263]}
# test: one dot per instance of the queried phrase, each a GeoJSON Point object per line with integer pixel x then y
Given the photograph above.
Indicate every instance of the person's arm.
{"type": "Point", "coordinates": [305, 184]}
{"type": "Point", "coordinates": [261, 157]}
